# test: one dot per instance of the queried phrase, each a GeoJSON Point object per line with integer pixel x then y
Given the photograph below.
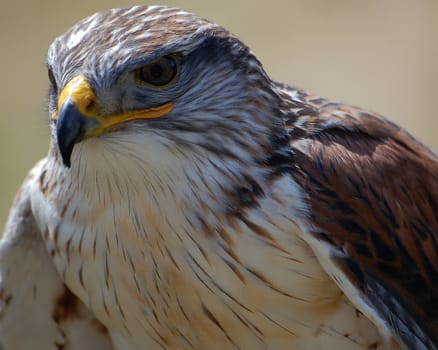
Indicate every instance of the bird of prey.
{"type": "Point", "coordinates": [188, 201]}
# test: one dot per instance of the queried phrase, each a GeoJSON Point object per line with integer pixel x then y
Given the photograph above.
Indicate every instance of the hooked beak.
{"type": "Point", "coordinates": [78, 116]}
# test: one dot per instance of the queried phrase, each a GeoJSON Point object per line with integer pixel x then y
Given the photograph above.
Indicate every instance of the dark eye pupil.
{"type": "Point", "coordinates": [158, 73]}
{"type": "Point", "coordinates": [156, 70]}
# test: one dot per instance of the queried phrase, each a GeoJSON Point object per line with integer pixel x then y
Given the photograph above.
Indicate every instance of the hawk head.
{"type": "Point", "coordinates": [157, 85]}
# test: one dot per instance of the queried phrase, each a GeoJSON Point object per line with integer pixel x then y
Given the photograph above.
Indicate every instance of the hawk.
{"type": "Point", "coordinates": [188, 201]}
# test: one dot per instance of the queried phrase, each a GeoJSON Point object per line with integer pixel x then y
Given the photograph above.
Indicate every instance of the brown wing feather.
{"type": "Point", "coordinates": [373, 193]}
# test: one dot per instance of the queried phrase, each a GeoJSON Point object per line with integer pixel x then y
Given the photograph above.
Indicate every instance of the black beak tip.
{"type": "Point", "coordinates": [66, 156]}
{"type": "Point", "coordinates": [69, 130]}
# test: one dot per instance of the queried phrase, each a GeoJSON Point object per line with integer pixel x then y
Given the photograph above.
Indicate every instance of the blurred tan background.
{"type": "Point", "coordinates": [378, 54]}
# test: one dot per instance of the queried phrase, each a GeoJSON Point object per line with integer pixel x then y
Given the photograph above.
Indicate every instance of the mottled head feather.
{"type": "Point", "coordinates": [109, 40]}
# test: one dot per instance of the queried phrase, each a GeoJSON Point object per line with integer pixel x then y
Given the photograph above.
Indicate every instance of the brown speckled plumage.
{"type": "Point", "coordinates": [373, 194]}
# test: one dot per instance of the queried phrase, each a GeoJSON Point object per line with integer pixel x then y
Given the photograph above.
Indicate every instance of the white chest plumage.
{"type": "Point", "coordinates": [158, 268]}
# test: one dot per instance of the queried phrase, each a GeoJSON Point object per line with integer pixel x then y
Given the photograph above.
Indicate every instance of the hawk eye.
{"type": "Point", "coordinates": [158, 73]}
